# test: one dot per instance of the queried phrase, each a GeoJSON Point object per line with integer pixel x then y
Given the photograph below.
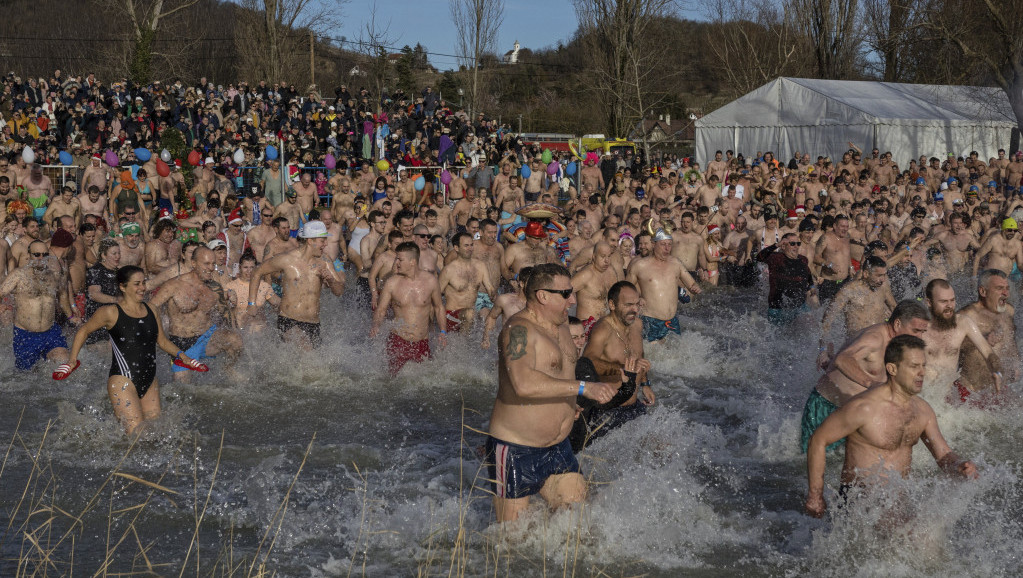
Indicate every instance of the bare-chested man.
{"type": "Point", "coordinates": [133, 250]}
{"type": "Point", "coordinates": [592, 284]}
{"type": "Point", "coordinates": [303, 273]}
{"type": "Point", "coordinates": [946, 335]}
{"type": "Point", "coordinates": [528, 451]}
{"type": "Point", "coordinates": [282, 241]}
{"type": "Point", "coordinates": [956, 242]}
{"type": "Point", "coordinates": [199, 313]}
{"type": "Point", "coordinates": [863, 302]}
{"type": "Point", "coordinates": [290, 210]}
{"type": "Point", "coordinates": [383, 267]}
{"type": "Point", "coordinates": [658, 279]}
{"type": "Point", "coordinates": [461, 282]}
{"type": "Point", "coordinates": [162, 252]}
{"type": "Point", "coordinates": [687, 245]}
{"type": "Point", "coordinates": [37, 289]}
{"type": "Point", "coordinates": [414, 295]}
{"type": "Point", "coordinates": [261, 235]}
{"type": "Point", "coordinates": [533, 251]}
{"type": "Point", "coordinates": [1001, 250]}
{"type": "Point", "coordinates": [881, 426]}
{"type": "Point", "coordinates": [19, 250]}
{"type": "Point", "coordinates": [615, 346]}
{"type": "Point", "coordinates": [834, 258]}
{"type": "Point", "coordinates": [859, 365]}
{"type": "Point", "coordinates": [994, 317]}
{"type": "Point", "coordinates": [97, 175]}
{"type": "Point", "coordinates": [64, 205]}
{"type": "Point", "coordinates": [95, 202]}
{"type": "Point", "coordinates": [506, 304]}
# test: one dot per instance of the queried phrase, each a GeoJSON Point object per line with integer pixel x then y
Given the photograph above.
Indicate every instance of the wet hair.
{"type": "Point", "coordinates": [524, 275]}
{"type": "Point", "coordinates": [408, 247]}
{"type": "Point", "coordinates": [28, 220]}
{"type": "Point", "coordinates": [248, 255]}
{"type": "Point", "coordinates": [873, 262]}
{"type": "Point", "coordinates": [373, 216]}
{"type": "Point", "coordinates": [908, 310]}
{"type": "Point", "coordinates": [403, 214]}
{"type": "Point", "coordinates": [274, 223]}
{"type": "Point", "coordinates": [105, 245]}
{"type": "Point", "coordinates": [573, 320]}
{"type": "Point", "coordinates": [456, 240]}
{"type": "Point", "coordinates": [161, 226]}
{"type": "Point", "coordinates": [986, 275]}
{"type": "Point", "coordinates": [486, 222]}
{"type": "Point", "coordinates": [393, 235]}
{"type": "Point", "coordinates": [85, 228]}
{"type": "Point", "coordinates": [124, 275]}
{"type": "Point", "coordinates": [898, 345]}
{"type": "Point", "coordinates": [314, 215]}
{"type": "Point", "coordinates": [935, 284]}
{"type": "Point", "coordinates": [542, 276]}
{"type": "Point", "coordinates": [616, 289]}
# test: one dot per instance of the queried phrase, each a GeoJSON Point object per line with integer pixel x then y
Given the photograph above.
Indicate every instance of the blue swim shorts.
{"type": "Point", "coordinates": [519, 471]}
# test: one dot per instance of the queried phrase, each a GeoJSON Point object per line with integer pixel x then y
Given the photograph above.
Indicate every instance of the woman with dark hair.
{"type": "Point", "coordinates": [135, 332]}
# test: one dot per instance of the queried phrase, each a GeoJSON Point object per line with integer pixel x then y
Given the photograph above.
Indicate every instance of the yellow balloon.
{"type": "Point", "coordinates": [383, 165]}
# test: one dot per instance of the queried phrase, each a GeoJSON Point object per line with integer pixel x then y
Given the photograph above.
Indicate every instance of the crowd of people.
{"type": "Point", "coordinates": [582, 260]}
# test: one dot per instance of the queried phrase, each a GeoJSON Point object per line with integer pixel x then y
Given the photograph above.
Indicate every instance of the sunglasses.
{"type": "Point", "coordinates": [795, 243]}
{"type": "Point", "coordinates": [565, 293]}
{"type": "Point", "coordinates": [127, 214]}
{"type": "Point", "coordinates": [422, 236]}
{"type": "Point", "coordinates": [267, 215]}
{"type": "Point", "coordinates": [43, 254]}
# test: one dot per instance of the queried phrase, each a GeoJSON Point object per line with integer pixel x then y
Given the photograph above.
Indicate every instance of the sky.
{"type": "Point", "coordinates": [534, 23]}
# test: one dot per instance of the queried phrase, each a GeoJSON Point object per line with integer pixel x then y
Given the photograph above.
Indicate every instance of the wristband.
{"type": "Point", "coordinates": [582, 387]}
{"type": "Point", "coordinates": [251, 303]}
{"type": "Point", "coordinates": [443, 332]}
{"type": "Point", "coordinates": [645, 384]}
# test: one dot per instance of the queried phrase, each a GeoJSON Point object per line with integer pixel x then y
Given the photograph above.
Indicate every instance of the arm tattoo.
{"type": "Point", "coordinates": [516, 342]}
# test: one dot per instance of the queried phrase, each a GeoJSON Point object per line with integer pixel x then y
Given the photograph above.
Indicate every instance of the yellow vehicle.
{"type": "Point", "coordinates": [601, 145]}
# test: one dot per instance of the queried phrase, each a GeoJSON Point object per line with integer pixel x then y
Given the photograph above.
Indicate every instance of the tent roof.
{"type": "Point", "coordinates": [802, 101]}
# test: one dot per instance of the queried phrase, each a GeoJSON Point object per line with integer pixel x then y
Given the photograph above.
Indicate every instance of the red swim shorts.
{"type": "Point", "coordinates": [401, 351]}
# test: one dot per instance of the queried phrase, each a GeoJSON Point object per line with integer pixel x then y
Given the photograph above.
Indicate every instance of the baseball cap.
{"type": "Point", "coordinates": [216, 244]}
{"type": "Point", "coordinates": [313, 230]}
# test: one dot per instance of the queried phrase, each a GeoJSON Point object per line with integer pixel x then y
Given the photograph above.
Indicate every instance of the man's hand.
{"type": "Point", "coordinates": [600, 392]}
{"type": "Point", "coordinates": [967, 469]}
{"type": "Point", "coordinates": [816, 506]}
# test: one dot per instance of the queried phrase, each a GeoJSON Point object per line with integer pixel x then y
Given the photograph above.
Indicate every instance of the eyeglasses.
{"type": "Point", "coordinates": [565, 293]}
{"type": "Point", "coordinates": [43, 254]}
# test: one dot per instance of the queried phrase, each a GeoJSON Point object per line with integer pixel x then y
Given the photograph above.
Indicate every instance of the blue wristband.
{"type": "Point", "coordinates": [582, 387]}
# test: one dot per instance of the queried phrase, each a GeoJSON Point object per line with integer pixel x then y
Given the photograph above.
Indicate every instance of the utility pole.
{"type": "Point", "coordinates": [312, 60]}
{"type": "Point", "coordinates": [520, 124]}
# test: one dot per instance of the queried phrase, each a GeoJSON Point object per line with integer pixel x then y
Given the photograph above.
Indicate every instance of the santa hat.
{"type": "Point", "coordinates": [792, 214]}
{"type": "Point", "coordinates": [713, 229]}
{"type": "Point", "coordinates": [97, 156]}
{"type": "Point", "coordinates": [177, 163]}
{"type": "Point", "coordinates": [800, 209]}
{"type": "Point", "coordinates": [235, 216]}
{"type": "Point", "coordinates": [165, 213]}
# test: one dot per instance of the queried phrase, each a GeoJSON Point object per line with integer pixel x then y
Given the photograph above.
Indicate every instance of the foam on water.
{"type": "Point", "coordinates": [710, 482]}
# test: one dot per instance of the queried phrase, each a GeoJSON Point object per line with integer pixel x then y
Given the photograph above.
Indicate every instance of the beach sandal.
{"type": "Point", "coordinates": [64, 370]}
{"type": "Point", "coordinates": [191, 364]}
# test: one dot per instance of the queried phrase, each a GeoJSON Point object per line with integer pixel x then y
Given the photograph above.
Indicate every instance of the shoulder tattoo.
{"type": "Point", "coordinates": [517, 342]}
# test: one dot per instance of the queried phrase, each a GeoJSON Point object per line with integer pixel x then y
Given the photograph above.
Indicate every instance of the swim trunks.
{"type": "Point", "coordinates": [80, 303]}
{"type": "Point", "coordinates": [194, 347]}
{"type": "Point", "coordinates": [531, 197]}
{"type": "Point", "coordinates": [483, 301]}
{"type": "Point", "coordinates": [962, 395]}
{"type": "Point", "coordinates": [855, 265]}
{"type": "Point", "coordinates": [816, 410]}
{"type": "Point", "coordinates": [401, 351]}
{"type": "Point", "coordinates": [311, 330]}
{"type": "Point", "coordinates": [454, 320]}
{"type": "Point", "coordinates": [294, 233]}
{"type": "Point", "coordinates": [657, 329]}
{"type": "Point", "coordinates": [827, 289]}
{"type": "Point", "coordinates": [277, 288]}
{"type": "Point", "coordinates": [339, 265]}
{"type": "Point", "coordinates": [133, 349]}
{"type": "Point", "coordinates": [588, 324]}
{"type": "Point", "coordinates": [30, 347]}
{"type": "Point", "coordinates": [518, 471]}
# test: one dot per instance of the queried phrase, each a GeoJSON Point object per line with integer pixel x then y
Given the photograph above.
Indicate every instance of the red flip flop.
{"type": "Point", "coordinates": [64, 370]}
{"type": "Point", "coordinates": [191, 364]}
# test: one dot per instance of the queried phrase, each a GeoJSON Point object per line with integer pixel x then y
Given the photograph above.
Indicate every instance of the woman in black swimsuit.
{"type": "Point", "coordinates": [135, 332]}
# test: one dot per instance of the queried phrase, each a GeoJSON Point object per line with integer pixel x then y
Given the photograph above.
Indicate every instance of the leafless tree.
{"type": "Point", "coordinates": [374, 40]}
{"type": "Point", "coordinates": [623, 62]}
{"type": "Point", "coordinates": [145, 17]}
{"type": "Point", "coordinates": [989, 34]}
{"type": "Point", "coordinates": [754, 42]}
{"type": "Point", "coordinates": [275, 37]}
{"type": "Point", "coordinates": [831, 28]}
{"type": "Point", "coordinates": [477, 23]}
{"type": "Point", "coordinates": [892, 32]}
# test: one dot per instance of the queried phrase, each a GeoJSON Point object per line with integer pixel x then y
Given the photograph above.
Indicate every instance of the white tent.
{"type": "Point", "coordinates": [821, 117]}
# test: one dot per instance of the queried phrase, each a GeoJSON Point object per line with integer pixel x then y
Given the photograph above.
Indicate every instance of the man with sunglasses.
{"type": "Point", "coordinates": [36, 289]}
{"type": "Point", "coordinates": [263, 233]}
{"type": "Point", "coordinates": [789, 278]}
{"type": "Point", "coordinates": [1000, 251]}
{"type": "Point", "coordinates": [528, 451]}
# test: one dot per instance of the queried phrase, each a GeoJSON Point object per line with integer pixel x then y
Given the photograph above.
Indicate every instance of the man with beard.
{"type": "Point", "coordinates": [133, 250]}
{"type": "Point", "coordinates": [994, 318]}
{"type": "Point", "coordinates": [532, 252]}
{"type": "Point", "coordinates": [1002, 251]}
{"type": "Point", "coordinates": [644, 245]}
{"type": "Point", "coordinates": [859, 365]}
{"type": "Point", "coordinates": [946, 335]}
{"type": "Point", "coordinates": [19, 250]}
{"type": "Point", "coordinates": [36, 290]}
{"type": "Point", "coordinates": [862, 302]}
{"type": "Point", "coordinates": [615, 346]}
